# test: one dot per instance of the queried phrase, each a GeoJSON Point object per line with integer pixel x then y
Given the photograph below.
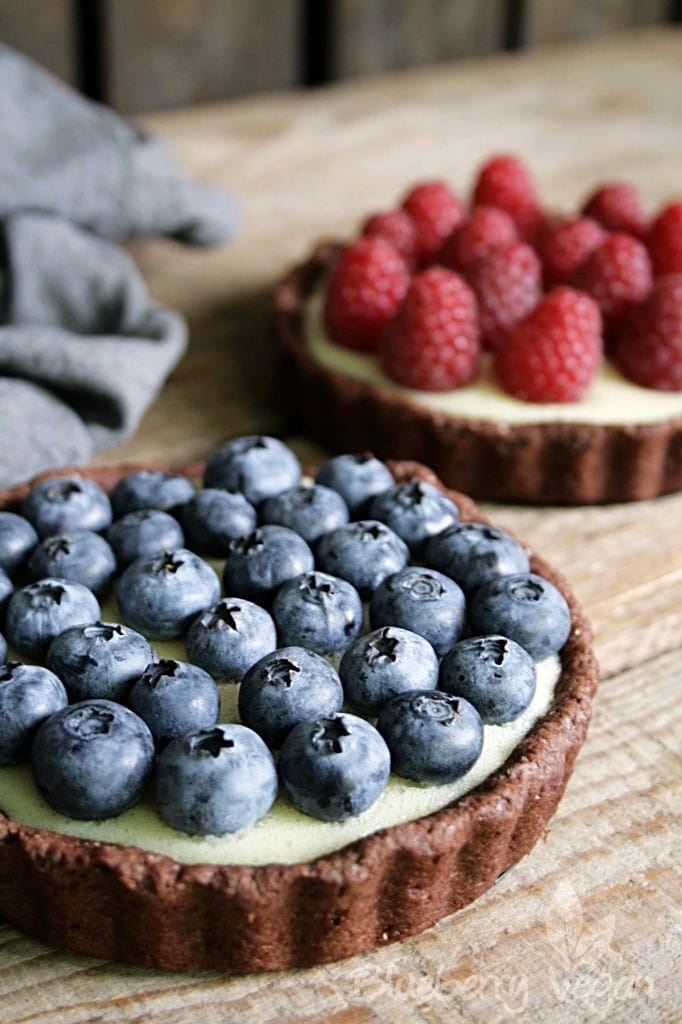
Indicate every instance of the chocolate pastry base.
{"type": "Point", "coordinates": [545, 464]}
{"type": "Point", "coordinates": [126, 904]}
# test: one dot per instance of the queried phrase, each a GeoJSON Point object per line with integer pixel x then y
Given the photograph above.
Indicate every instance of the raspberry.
{"type": "Point", "coordinates": [396, 227]}
{"type": "Point", "coordinates": [665, 240]}
{"type": "Point", "coordinates": [555, 352]}
{"type": "Point", "coordinates": [648, 344]}
{"type": "Point", "coordinates": [433, 342]}
{"type": "Point", "coordinates": [365, 289]}
{"type": "Point", "coordinates": [435, 212]}
{"type": "Point", "coordinates": [617, 275]}
{"type": "Point", "coordinates": [507, 283]}
{"type": "Point", "coordinates": [486, 228]}
{"type": "Point", "coordinates": [504, 181]}
{"type": "Point", "coordinates": [566, 245]}
{"type": "Point", "coordinates": [618, 207]}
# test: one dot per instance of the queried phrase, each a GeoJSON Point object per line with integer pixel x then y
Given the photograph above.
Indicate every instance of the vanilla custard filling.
{"type": "Point", "coordinates": [610, 400]}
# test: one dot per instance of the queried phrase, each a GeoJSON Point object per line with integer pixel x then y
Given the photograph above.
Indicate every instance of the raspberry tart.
{"type": "Point", "coordinates": [134, 826]}
{"type": "Point", "coordinates": [527, 357]}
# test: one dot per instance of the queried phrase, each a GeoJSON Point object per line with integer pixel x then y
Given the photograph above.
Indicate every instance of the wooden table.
{"type": "Point", "coordinates": [587, 927]}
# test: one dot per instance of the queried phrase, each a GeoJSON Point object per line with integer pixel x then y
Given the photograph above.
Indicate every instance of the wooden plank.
{"type": "Point", "coordinates": [554, 20]}
{"type": "Point", "coordinates": [380, 35]}
{"type": "Point", "coordinates": [181, 52]}
{"type": "Point", "coordinates": [43, 30]}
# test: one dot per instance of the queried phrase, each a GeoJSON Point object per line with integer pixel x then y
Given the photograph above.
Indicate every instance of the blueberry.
{"type": "Point", "coordinates": [66, 503]}
{"type": "Point", "coordinates": [92, 759]}
{"type": "Point", "coordinates": [161, 596]}
{"type": "Point", "coordinates": [100, 660]}
{"type": "Point", "coordinates": [29, 694]}
{"type": "Point", "coordinates": [213, 518]}
{"type": "Point", "coordinates": [364, 553]}
{"type": "Point", "coordinates": [258, 564]}
{"type": "Point", "coordinates": [3, 650]}
{"type": "Point", "coordinates": [317, 611]}
{"type": "Point", "coordinates": [259, 467]}
{"type": "Point", "coordinates": [356, 477]}
{"type": "Point", "coordinates": [6, 591]}
{"type": "Point", "coordinates": [17, 540]}
{"type": "Point", "coordinates": [228, 638]}
{"type": "Point", "coordinates": [175, 699]}
{"type": "Point", "coordinates": [384, 663]}
{"type": "Point", "coordinates": [493, 673]}
{"type": "Point", "coordinates": [215, 781]}
{"type": "Point", "coordinates": [415, 510]}
{"type": "Point", "coordinates": [150, 489]}
{"type": "Point", "coordinates": [423, 601]}
{"type": "Point", "coordinates": [334, 767]}
{"type": "Point", "coordinates": [526, 608]}
{"type": "Point", "coordinates": [473, 554]}
{"type": "Point", "coordinates": [311, 510]}
{"type": "Point", "coordinates": [433, 737]}
{"type": "Point", "coordinates": [145, 533]}
{"type": "Point", "coordinates": [286, 687]}
{"type": "Point", "coordinates": [83, 557]}
{"type": "Point", "coordinates": [41, 611]}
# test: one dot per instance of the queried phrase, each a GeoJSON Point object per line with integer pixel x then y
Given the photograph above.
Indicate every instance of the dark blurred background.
{"type": "Point", "coordinates": [144, 55]}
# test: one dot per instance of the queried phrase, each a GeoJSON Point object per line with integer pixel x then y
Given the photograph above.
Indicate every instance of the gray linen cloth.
{"type": "Point", "coordinates": [83, 349]}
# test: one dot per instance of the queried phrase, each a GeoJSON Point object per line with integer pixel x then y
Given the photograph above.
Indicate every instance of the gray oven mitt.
{"type": "Point", "coordinates": [83, 349]}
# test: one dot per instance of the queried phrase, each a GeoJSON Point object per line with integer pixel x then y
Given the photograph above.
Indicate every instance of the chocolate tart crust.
{"type": "Point", "coordinates": [122, 903]}
{"type": "Point", "coordinates": [545, 464]}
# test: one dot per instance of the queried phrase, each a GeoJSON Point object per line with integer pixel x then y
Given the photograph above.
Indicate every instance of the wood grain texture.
{"type": "Point", "coordinates": [43, 30]}
{"type": "Point", "coordinates": [587, 927]}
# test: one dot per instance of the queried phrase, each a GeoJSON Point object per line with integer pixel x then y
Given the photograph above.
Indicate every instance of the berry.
{"type": "Point", "coordinates": [257, 466]}
{"type": "Point", "coordinates": [423, 601]}
{"type": "Point", "coordinates": [161, 596]}
{"type": "Point", "coordinates": [17, 540]}
{"type": "Point", "coordinates": [473, 553]}
{"type": "Point", "coordinates": [617, 206]}
{"type": "Point", "coordinates": [83, 557]}
{"type": "Point", "coordinates": [508, 284]}
{"type": "Point", "coordinates": [433, 342]}
{"type": "Point", "coordinates": [6, 591]}
{"type": "Point", "coordinates": [647, 346]}
{"type": "Point", "coordinates": [150, 489]}
{"type": "Point", "coordinates": [356, 478]}
{"type": "Point", "coordinates": [228, 638]}
{"type": "Point", "coordinates": [486, 228]}
{"type": "Point", "coordinates": [493, 673]}
{"type": "Point", "coordinates": [215, 781]}
{"type": "Point", "coordinates": [433, 737]}
{"type": "Point", "coordinates": [212, 518]}
{"type": "Point", "coordinates": [364, 553]}
{"type": "Point", "coordinates": [3, 650]}
{"type": "Point", "coordinates": [435, 211]}
{"type": "Point", "coordinates": [566, 245]}
{"type": "Point", "coordinates": [334, 767]}
{"type": "Point", "coordinates": [395, 227]}
{"type": "Point", "coordinates": [101, 660]}
{"type": "Point", "coordinates": [415, 510]}
{"type": "Point", "coordinates": [92, 760]}
{"type": "Point", "coordinates": [66, 503]}
{"type": "Point", "coordinates": [317, 611]}
{"type": "Point", "coordinates": [175, 699]}
{"type": "Point", "coordinates": [288, 686]}
{"type": "Point", "coordinates": [665, 240]}
{"type": "Point", "coordinates": [384, 663]}
{"type": "Point", "coordinates": [554, 353]}
{"type": "Point", "coordinates": [144, 533]}
{"type": "Point", "coordinates": [504, 181]}
{"type": "Point", "coordinates": [258, 564]}
{"type": "Point", "coordinates": [617, 275]}
{"type": "Point", "coordinates": [41, 611]}
{"type": "Point", "coordinates": [29, 694]}
{"type": "Point", "coordinates": [524, 607]}
{"type": "Point", "coordinates": [311, 510]}
{"type": "Point", "coordinates": [365, 288]}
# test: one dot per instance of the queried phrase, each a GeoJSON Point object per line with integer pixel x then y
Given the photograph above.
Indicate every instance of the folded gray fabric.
{"type": "Point", "coordinates": [83, 349]}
